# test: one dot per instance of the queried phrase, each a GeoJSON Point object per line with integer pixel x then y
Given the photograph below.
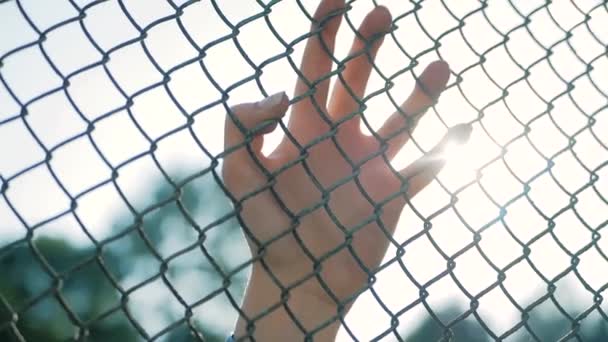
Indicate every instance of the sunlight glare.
{"type": "Point", "coordinates": [459, 161]}
{"type": "Point", "coordinates": [459, 153]}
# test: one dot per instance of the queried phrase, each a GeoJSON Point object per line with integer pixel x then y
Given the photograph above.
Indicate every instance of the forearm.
{"type": "Point", "coordinates": [309, 310]}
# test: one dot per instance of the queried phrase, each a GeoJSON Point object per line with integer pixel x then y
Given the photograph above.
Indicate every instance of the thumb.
{"type": "Point", "coordinates": [247, 122]}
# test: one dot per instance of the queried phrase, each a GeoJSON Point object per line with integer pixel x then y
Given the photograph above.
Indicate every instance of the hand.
{"type": "Point", "coordinates": [342, 206]}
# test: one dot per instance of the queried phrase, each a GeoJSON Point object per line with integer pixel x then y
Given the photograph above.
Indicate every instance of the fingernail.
{"type": "Point", "coordinates": [273, 100]}
{"type": "Point", "coordinates": [456, 135]}
{"type": "Point", "coordinates": [460, 133]}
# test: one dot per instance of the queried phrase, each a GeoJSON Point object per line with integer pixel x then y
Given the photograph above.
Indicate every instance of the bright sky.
{"type": "Point", "coordinates": [37, 197]}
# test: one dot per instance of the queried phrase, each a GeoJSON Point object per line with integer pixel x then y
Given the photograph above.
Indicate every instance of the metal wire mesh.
{"type": "Point", "coordinates": [506, 89]}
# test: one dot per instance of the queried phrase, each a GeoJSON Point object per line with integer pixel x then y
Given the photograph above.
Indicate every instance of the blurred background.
{"type": "Point", "coordinates": [114, 226]}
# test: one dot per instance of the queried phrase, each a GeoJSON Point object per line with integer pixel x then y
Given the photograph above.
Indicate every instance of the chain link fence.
{"type": "Point", "coordinates": [116, 223]}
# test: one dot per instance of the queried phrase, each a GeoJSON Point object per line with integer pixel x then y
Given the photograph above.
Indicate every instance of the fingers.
{"type": "Point", "coordinates": [421, 173]}
{"type": "Point", "coordinates": [316, 65]}
{"type": "Point", "coordinates": [428, 87]}
{"type": "Point", "coordinates": [351, 87]}
{"type": "Point", "coordinates": [253, 119]}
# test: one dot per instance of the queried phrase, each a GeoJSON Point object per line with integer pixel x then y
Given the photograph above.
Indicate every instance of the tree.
{"type": "Point", "coordinates": [546, 326]}
{"type": "Point", "coordinates": [50, 287]}
{"type": "Point", "coordinates": [48, 284]}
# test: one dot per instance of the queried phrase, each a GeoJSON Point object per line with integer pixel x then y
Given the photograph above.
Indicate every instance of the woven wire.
{"type": "Point", "coordinates": [82, 327]}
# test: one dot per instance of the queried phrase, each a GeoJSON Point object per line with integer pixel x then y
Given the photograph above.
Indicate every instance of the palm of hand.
{"type": "Point", "coordinates": [341, 199]}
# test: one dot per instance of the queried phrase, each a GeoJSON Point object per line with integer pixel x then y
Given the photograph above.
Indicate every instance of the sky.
{"type": "Point", "coordinates": [500, 145]}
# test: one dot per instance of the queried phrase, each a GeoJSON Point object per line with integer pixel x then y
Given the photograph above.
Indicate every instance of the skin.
{"type": "Point", "coordinates": [246, 175]}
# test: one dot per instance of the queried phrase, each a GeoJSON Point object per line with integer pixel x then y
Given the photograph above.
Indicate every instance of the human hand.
{"type": "Point", "coordinates": [334, 200]}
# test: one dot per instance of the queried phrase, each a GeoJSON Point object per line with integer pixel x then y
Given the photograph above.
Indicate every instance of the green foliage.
{"type": "Point", "coordinates": [35, 294]}
{"type": "Point", "coordinates": [464, 330]}
{"type": "Point", "coordinates": [541, 326]}
{"type": "Point", "coordinates": [49, 287]}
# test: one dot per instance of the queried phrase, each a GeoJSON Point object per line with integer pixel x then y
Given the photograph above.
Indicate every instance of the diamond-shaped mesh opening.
{"type": "Point", "coordinates": [138, 200]}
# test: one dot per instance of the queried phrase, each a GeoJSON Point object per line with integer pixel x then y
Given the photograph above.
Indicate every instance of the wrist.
{"type": "Point", "coordinates": [271, 313]}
